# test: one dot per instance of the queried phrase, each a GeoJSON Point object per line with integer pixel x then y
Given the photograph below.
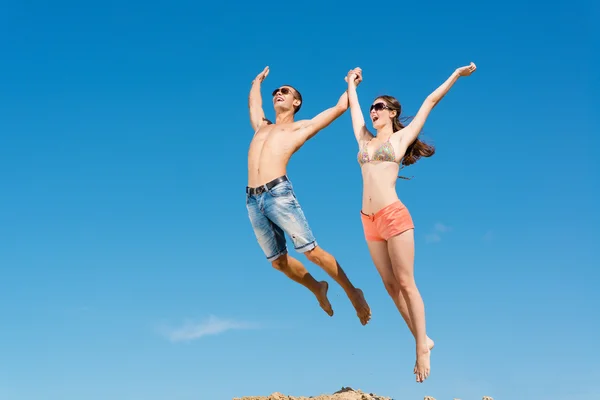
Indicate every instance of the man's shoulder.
{"type": "Point", "coordinates": [265, 122]}
{"type": "Point", "coordinates": [287, 126]}
{"type": "Point", "coordinates": [264, 125]}
{"type": "Point", "coordinates": [301, 123]}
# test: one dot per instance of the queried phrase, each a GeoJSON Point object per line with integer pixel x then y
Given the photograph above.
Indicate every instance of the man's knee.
{"type": "Point", "coordinates": [318, 256]}
{"type": "Point", "coordinates": [280, 263]}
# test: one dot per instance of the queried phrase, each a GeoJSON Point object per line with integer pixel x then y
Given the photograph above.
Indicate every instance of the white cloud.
{"type": "Point", "coordinates": [432, 238]}
{"type": "Point", "coordinates": [436, 235]}
{"type": "Point", "coordinates": [191, 330]}
{"type": "Point", "coordinates": [439, 227]}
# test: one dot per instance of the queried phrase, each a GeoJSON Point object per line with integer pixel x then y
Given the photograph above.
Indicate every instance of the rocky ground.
{"type": "Point", "coordinates": [342, 394]}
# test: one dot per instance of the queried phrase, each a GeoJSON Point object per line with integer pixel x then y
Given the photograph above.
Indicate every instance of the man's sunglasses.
{"type": "Point", "coordinates": [378, 107]}
{"type": "Point", "coordinates": [283, 90]}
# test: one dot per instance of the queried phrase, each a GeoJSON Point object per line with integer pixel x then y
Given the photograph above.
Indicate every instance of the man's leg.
{"type": "Point", "coordinates": [283, 209]}
{"type": "Point", "coordinates": [272, 241]}
{"type": "Point", "coordinates": [294, 270]}
{"type": "Point", "coordinates": [330, 265]}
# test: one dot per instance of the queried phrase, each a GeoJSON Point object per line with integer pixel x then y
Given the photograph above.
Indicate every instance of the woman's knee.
{"type": "Point", "coordinates": [392, 286]}
{"type": "Point", "coordinates": [406, 283]}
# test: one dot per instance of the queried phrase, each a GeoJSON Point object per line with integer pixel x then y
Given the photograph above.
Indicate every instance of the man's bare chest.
{"type": "Point", "coordinates": [280, 137]}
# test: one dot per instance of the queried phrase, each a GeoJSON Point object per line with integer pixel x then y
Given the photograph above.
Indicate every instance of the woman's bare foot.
{"type": "Point", "coordinates": [321, 295]}
{"type": "Point", "coordinates": [423, 366]}
{"type": "Point", "coordinates": [360, 305]}
{"type": "Point", "coordinates": [430, 346]}
{"type": "Point", "coordinates": [430, 343]}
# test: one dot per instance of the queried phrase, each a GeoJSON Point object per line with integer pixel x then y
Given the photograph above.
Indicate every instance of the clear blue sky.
{"type": "Point", "coordinates": [123, 140]}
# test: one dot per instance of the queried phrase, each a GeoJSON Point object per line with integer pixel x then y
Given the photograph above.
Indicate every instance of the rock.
{"type": "Point", "coordinates": [345, 393]}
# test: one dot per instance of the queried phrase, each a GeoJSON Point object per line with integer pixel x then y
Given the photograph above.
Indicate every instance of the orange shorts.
{"type": "Point", "coordinates": [387, 222]}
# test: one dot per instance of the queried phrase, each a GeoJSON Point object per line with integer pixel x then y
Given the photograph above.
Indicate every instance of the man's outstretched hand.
{"type": "Point", "coordinates": [261, 77]}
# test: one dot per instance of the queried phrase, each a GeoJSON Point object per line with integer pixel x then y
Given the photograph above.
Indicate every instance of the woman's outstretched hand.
{"type": "Point", "coordinates": [466, 70]}
{"type": "Point", "coordinates": [354, 76]}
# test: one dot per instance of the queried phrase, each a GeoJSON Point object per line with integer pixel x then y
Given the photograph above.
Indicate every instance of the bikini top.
{"type": "Point", "coordinates": [385, 152]}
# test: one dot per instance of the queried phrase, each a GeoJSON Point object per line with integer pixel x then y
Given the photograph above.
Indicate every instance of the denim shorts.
{"type": "Point", "coordinates": [274, 212]}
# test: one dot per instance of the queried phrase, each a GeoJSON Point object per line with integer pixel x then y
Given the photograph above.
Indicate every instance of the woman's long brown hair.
{"type": "Point", "coordinates": [416, 149]}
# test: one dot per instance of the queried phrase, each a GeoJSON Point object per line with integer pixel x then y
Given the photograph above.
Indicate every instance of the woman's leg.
{"type": "Point", "coordinates": [381, 259]}
{"type": "Point", "coordinates": [401, 250]}
{"type": "Point", "coordinates": [383, 263]}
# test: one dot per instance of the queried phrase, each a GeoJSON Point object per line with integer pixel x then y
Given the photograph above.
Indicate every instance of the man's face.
{"type": "Point", "coordinates": [284, 99]}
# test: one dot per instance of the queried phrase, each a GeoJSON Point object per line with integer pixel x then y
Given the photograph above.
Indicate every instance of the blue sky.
{"type": "Point", "coordinates": [128, 267]}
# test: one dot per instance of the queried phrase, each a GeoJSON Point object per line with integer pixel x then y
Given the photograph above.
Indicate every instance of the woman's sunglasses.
{"type": "Point", "coordinates": [378, 107]}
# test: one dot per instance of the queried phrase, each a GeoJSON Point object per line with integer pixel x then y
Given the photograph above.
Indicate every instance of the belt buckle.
{"type": "Point", "coordinates": [257, 190]}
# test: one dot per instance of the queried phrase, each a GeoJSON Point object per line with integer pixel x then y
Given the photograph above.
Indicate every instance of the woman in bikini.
{"type": "Point", "coordinates": [388, 226]}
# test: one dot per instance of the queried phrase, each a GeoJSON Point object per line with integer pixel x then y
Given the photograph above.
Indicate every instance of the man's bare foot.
{"type": "Point", "coordinates": [322, 297]}
{"type": "Point", "coordinates": [423, 365]}
{"type": "Point", "coordinates": [360, 305]}
{"type": "Point", "coordinates": [430, 346]}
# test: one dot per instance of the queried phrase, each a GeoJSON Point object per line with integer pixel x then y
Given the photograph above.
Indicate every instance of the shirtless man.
{"type": "Point", "coordinates": [270, 199]}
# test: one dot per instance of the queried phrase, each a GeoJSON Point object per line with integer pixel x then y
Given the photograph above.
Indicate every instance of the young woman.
{"type": "Point", "coordinates": [388, 226]}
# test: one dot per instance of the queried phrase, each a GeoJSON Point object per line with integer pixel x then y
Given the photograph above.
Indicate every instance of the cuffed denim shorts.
{"type": "Point", "coordinates": [274, 212]}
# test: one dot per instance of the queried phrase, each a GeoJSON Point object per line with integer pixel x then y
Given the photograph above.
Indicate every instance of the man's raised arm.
{"type": "Point", "coordinates": [311, 127]}
{"type": "Point", "coordinates": [257, 114]}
